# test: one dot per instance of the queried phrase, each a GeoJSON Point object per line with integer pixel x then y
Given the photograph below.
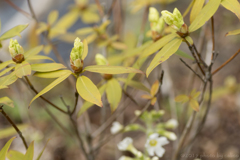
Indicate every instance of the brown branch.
{"type": "Point", "coordinates": [14, 126]}
{"type": "Point", "coordinates": [100, 9]}
{"type": "Point", "coordinates": [213, 36]}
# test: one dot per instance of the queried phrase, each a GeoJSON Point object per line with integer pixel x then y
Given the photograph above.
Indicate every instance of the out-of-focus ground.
{"type": "Point", "coordinates": [219, 139]}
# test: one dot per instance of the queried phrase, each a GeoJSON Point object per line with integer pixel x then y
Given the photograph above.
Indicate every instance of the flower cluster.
{"type": "Point", "coordinates": [76, 55]}
{"type": "Point", "coordinates": [16, 51]}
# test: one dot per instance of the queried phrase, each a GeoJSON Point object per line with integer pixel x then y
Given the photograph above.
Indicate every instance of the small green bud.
{"type": "Point", "coordinates": [174, 19]}
{"type": "Point", "coordinates": [153, 15]}
{"type": "Point", "coordinates": [15, 48]}
{"type": "Point", "coordinates": [168, 17]}
{"type": "Point", "coordinates": [100, 59]}
{"type": "Point", "coordinates": [76, 55]}
{"type": "Point", "coordinates": [158, 26]}
{"type": "Point", "coordinates": [178, 19]}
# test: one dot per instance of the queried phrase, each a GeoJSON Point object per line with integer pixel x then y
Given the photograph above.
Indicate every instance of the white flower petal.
{"type": "Point", "coordinates": [159, 151]}
{"type": "Point", "coordinates": [162, 141]}
{"type": "Point", "coordinates": [123, 145]}
{"type": "Point", "coordinates": [150, 151]}
{"type": "Point", "coordinates": [116, 127]}
{"type": "Point", "coordinates": [154, 136]}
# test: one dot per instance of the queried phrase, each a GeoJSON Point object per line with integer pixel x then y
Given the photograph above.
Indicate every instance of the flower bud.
{"type": "Point", "coordinates": [171, 124]}
{"type": "Point", "coordinates": [16, 51]}
{"type": "Point", "coordinates": [76, 55]}
{"type": "Point", "coordinates": [153, 15]}
{"type": "Point", "coordinates": [125, 158]}
{"type": "Point", "coordinates": [100, 59]}
{"type": "Point", "coordinates": [168, 17]}
{"type": "Point", "coordinates": [178, 19]}
{"type": "Point", "coordinates": [170, 135]}
{"type": "Point", "coordinates": [116, 127]}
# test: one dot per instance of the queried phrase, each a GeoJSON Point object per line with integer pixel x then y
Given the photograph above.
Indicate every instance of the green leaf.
{"type": "Point", "coordinates": [164, 54]}
{"type": "Point", "coordinates": [32, 52]}
{"type": "Point", "coordinates": [53, 74]}
{"type": "Point", "coordinates": [30, 152]}
{"type": "Point", "coordinates": [86, 105]}
{"type": "Point", "coordinates": [52, 17]}
{"type": "Point", "coordinates": [10, 131]}
{"type": "Point", "coordinates": [183, 54]}
{"type": "Point", "coordinates": [15, 31]}
{"type": "Point", "coordinates": [235, 32]}
{"type": "Point", "coordinates": [3, 152]}
{"type": "Point", "coordinates": [23, 69]}
{"type": "Point", "coordinates": [197, 7]}
{"type": "Point", "coordinates": [85, 52]}
{"type": "Point", "coordinates": [233, 6]}
{"type": "Point", "coordinates": [38, 57]}
{"type": "Point", "coordinates": [5, 64]}
{"type": "Point", "coordinates": [47, 67]}
{"type": "Point", "coordinates": [133, 127]}
{"type": "Point", "coordinates": [7, 80]}
{"type": "Point", "coordinates": [15, 155]}
{"type": "Point", "coordinates": [111, 69]}
{"type": "Point", "coordinates": [40, 155]}
{"type": "Point", "coordinates": [6, 101]}
{"type": "Point", "coordinates": [6, 71]}
{"type": "Point", "coordinates": [88, 91]}
{"type": "Point", "coordinates": [114, 93]}
{"type": "Point", "coordinates": [135, 84]}
{"type": "Point", "coordinates": [50, 86]}
{"type": "Point", "coordinates": [84, 31]}
{"type": "Point", "coordinates": [206, 13]}
{"type": "Point", "coordinates": [158, 45]}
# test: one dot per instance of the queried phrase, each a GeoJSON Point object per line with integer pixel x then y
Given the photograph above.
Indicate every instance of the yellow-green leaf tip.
{"type": "Point", "coordinates": [100, 59]}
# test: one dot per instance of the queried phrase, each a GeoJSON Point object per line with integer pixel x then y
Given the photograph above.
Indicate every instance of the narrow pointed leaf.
{"type": "Point", "coordinates": [15, 31]}
{"type": "Point", "coordinates": [135, 84]}
{"type": "Point", "coordinates": [91, 38]}
{"type": "Point", "coordinates": [194, 104]}
{"type": "Point", "coordinates": [6, 71]}
{"type": "Point", "coordinates": [10, 131]}
{"type": "Point", "coordinates": [114, 93]}
{"type": "Point", "coordinates": [67, 20]}
{"type": "Point", "coordinates": [158, 45]}
{"type": "Point", "coordinates": [182, 98]}
{"type": "Point", "coordinates": [51, 86]}
{"type": "Point", "coordinates": [40, 155]}
{"type": "Point", "coordinates": [197, 7]}
{"type": "Point", "coordinates": [84, 31]}
{"type": "Point", "coordinates": [23, 69]}
{"type": "Point", "coordinates": [5, 64]}
{"type": "Point", "coordinates": [206, 13]}
{"type": "Point", "coordinates": [85, 52]}
{"type": "Point", "coordinates": [52, 17]}
{"type": "Point", "coordinates": [235, 32]}
{"type": "Point", "coordinates": [86, 105]}
{"type": "Point", "coordinates": [188, 8]}
{"type": "Point", "coordinates": [3, 152]}
{"type": "Point", "coordinates": [30, 152]}
{"type": "Point", "coordinates": [164, 54]}
{"type": "Point", "coordinates": [153, 101]}
{"type": "Point", "coordinates": [111, 69]}
{"type": "Point", "coordinates": [53, 74]}
{"type": "Point", "coordinates": [155, 88]}
{"type": "Point", "coordinates": [183, 54]}
{"type": "Point", "coordinates": [33, 51]}
{"type": "Point", "coordinates": [47, 67]}
{"type": "Point", "coordinates": [88, 91]}
{"type": "Point", "coordinates": [233, 6]}
{"type": "Point", "coordinates": [38, 57]}
{"type": "Point", "coordinates": [8, 79]}
{"type": "Point", "coordinates": [6, 101]}
{"type": "Point", "coordinates": [90, 17]}
{"type": "Point", "coordinates": [146, 96]}
{"type": "Point", "coordinates": [15, 155]}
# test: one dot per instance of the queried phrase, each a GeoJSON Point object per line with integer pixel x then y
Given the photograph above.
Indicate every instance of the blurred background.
{"type": "Point", "coordinates": [220, 135]}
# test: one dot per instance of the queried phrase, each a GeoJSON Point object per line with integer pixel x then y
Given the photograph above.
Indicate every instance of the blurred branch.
{"type": "Point", "coordinates": [100, 9]}
{"type": "Point", "coordinates": [14, 126]}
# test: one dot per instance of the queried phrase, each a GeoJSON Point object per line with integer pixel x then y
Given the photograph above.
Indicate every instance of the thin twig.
{"type": "Point", "coordinates": [76, 102]}
{"type": "Point", "coordinates": [100, 9]}
{"type": "Point", "coordinates": [14, 126]}
{"type": "Point", "coordinates": [31, 10]}
{"type": "Point", "coordinates": [213, 37]}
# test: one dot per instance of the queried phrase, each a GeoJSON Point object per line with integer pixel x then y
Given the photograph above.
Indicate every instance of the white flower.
{"type": "Point", "coordinates": [171, 124]}
{"type": "Point", "coordinates": [126, 145]}
{"type": "Point", "coordinates": [116, 127]}
{"type": "Point", "coordinates": [170, 135]}
{"type": "Point", "coordinates": [155, 158]}
{"type": "Point", "coordinates": [154, 145]}
{"type": "Point", "coordinates": [125, 158]}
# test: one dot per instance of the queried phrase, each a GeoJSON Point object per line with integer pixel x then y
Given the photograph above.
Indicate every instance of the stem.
{"type": "Point", "coordinates": [18, 9]}
{"type": "Point", "coordinates": [34, 90]}
{"type": "Point", "coordinates": [14, 126]}
{"type": "Point", "coordinates": [213, 37]}
{"type": "Point", "coordinates": [76, 102]}
{"type": "Point", "coordinates": [100, 9]}
{"type": "Point", "coordinates": [31, 10]}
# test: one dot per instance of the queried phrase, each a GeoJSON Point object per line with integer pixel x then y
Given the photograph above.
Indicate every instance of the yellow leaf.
{"type": "Point", "coordinates": [30, 152]}
{"type": "Point", "coordinates": [40, 155]}
{"type": "Point", "coordinates": [194, 104]}
{"type": "Point", "coordinates": [6, 101]}
{"type": "Point", "coordinates": [15, 155]}
{"type": "Point", "coordinates": [119, 45]}
{"type": "Point", "coordinates": [90, 17]}
{"type": "Point", "coordinates": [53, 74]}
{"type": "Point", "coordinates": [188, 8]}
{"type": "Point", "coordinates": [135, 84]}
{"type": "Point", "coordinates": [23, 69]}
{"type": "Point", "coordinates": [158, 45]}
{"type": "Point", "coordinates": [235, 32]}
{"type": "Point", "coordinates": [52, 17]}
{"type": "Point", "coordinates": [66, 21]}
{"type": "Point", "coordinates": [182, 98]}
{"type": "Point", "coordinates": [164, 54]}
{"type": "Point", "coordinates": [42, 27]}
{"type": "Point", "coordinates": [8, 79]}
{"type": "Point", "coordinates": [54, 32]}
{"type": "Point", "coordinates": [84, 31]}
{"type": "Point", "coordinates": [5, 64]}
{"type": "Point", "coordinates": [10, 131]}
{"type": "Point", "coordinates": [111, 69]}
{"type": "Point", "coordinates": [6, 71]}
{"type": "Point", "coordinates": [114, 93]}
{"type": "Point", "coordinates": [145, 96]}
{"type": "Point", "coordinates": [32, 52]}
{"type": "Point", "coordinates": [197, 7]}
{"type": "Point", "coordinates": [47, 49]}
{"type": "Point", "coordinates": [88, 91]}
{"type": "Point", "coordinates": [50, 86]}
{"type": "Point", "coordinates": [153, 101]}
{"type": "Point", "coordinates": [86, 105]}
{"type": "Point", "coordinates": [15, 31]}
{"type": "Point", "coordinates": [37, 58]}
{"type": "Point", "coordinates": [85, 52]}
{"type": "Point", "coordinates": [233, 6]}
{"type": "Point", "coordinates": [155, 88]}
{"type": "Point", "coordinates": [3, 152]}
{"type": "Point", "coordinates": [47, 67]}
{"type": "Point", "coordinates": [206, 13]}
{"type": "Point", "coordinates": [91, 38]}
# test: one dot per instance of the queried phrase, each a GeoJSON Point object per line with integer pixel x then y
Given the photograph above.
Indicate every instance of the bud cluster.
{"type": "Point", "coordinates": [76, 56]}
{"type": "Point", "coordinates": [16, 51]}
